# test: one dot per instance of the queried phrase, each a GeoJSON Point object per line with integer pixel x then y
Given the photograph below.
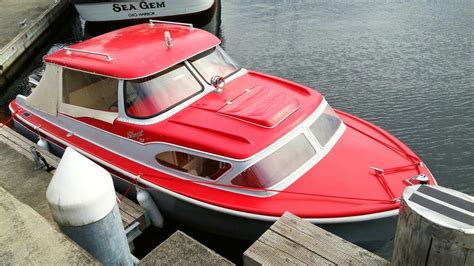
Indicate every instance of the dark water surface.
{"type": "Point", "coordinates": [406, 66]}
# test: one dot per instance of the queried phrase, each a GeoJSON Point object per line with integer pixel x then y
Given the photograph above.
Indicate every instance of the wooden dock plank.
{"type": "Point", "coordinates": [261, 253]}
{"type": "Point", "coordinates": [284, 244]}
{"type": "Point", "coordinates": [301, 242]}
{"type": "Point", "coordinates": [317, 239]}
{"type": "Point", "coordinates": [181, 249]}
{"type": "Point", "coordinates": [129, 210]}
{"type": "Point", "coordinates": [137, 212]}
{"type": "Point", "coordinates": [23, 145]}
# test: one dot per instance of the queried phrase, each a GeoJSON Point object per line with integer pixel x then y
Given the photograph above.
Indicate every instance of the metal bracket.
{"type": "Point", "coordinates": [378, 171]}
{"type": "Point", "coordinates": [39, 164]}
{"type": "Point", "coordinates": [70, 50]}
{"type": "Point", "coordinates": [153, 22]}
{"type": "Point", "coordinates": [133, 231]}
{"type": "Point", "coordinates": [421, 178]}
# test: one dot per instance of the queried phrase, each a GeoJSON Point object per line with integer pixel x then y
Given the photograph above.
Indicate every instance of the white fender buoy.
{"type": "Point", "coordinates": [43, 144]}
{"type": "Point", "coordinates": [82, 200]}
{"type": "Point", "coordinates": [146, 201]}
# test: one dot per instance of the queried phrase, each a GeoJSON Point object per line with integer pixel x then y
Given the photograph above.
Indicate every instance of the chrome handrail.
{"type": "Point", "coordinates": [70, 50]}
{"type": "Point", "coordinates": [152, 21]}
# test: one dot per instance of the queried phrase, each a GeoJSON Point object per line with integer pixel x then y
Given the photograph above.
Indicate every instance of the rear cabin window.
{"type": "Point", "coordinates": [278, 165]}
{"type": "Point", "coordinates": [325, 126]}
{"type": "Point", "coordinates": [192, 164]}
{"type": "Point", "coordinates": [148, 97]}
{"type": "Point", "coordinates": [90, 91]}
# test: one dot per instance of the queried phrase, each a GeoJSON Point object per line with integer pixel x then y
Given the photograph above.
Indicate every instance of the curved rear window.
{"type": "Point", "coordinates": [153, 95]}
{"type": "Point", "coordinates": [278, 165]}
{"type": "Point", "coordinates": [325, 126]}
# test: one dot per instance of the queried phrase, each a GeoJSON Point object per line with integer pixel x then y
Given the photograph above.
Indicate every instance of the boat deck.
{"type": "Point", "coordinates": [20, 179]}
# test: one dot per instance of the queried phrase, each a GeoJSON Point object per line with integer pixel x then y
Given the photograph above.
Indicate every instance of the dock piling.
{"type": "Point", "coordinates": [82, 200]}
{"type": "Point", "coordinates": [435, 227]}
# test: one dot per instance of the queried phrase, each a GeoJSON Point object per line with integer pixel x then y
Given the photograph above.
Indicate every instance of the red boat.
{"type": "Point", "coordinates": [219, 147]}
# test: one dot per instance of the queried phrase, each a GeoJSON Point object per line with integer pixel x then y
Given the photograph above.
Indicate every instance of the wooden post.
{"type": "Point", "coordinates": [435, 227]}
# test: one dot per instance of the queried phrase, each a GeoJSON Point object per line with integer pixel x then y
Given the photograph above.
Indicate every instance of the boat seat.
{"type": "Point", "coordinates": [100, 95]}
{"type": "Point", "coordinates": [94, 92]}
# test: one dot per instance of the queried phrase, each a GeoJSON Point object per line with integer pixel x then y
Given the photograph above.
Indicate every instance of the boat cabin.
{"type": "Point", "coordinates": [177, 103]}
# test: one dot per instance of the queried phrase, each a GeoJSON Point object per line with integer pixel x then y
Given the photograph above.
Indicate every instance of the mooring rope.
{"type": "Point", "coordinates": [385, 201]}
{"type": "Point", "coordinates": [8, 120]}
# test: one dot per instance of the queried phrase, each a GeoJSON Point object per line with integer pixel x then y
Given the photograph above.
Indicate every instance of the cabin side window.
{"type": "Point", "coordinates": [278, 165]}
{"type": "Point", "coordinates": [192, 164]}
{"type": "Point", "coordinates": [325, 126]}
{"type": "Point", "coordinates": [90, 91]}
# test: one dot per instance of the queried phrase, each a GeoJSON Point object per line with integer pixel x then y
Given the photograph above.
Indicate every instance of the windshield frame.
{"type": "Point", "coordinates": [170, 69]}
{"type": "Point", "coordinates": [208, 52]}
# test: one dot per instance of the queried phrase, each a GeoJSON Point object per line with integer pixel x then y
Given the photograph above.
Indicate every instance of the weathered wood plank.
{"type": "Point", "coordinates": [294, 240]}
{"type": "Point", "coordinates": [434, 227]}
{"type": "Point", "coordinates": [127, 219]}
{"type": "Point", "coordinates": [133, 210]}
{"type": "Point", "coordinates": [23, 145]}
{"type": "Point", "coordinates": [180, 249]}
{"type": "Point", "coordinates": [418, 241]}
{"type": "Point", "coordinates": [261, 253]}
{"type": "Point", "coordinates": [440, 248]}
{"type": "Point", "coordinates": [327, 245]}
{"type": "Point", "coordinates": [469, 258]}
{"type": "Point", "coordinates": [278, 241]}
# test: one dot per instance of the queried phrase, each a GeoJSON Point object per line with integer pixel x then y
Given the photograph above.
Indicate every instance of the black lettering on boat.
{"type": "Point", "coordinates": [123, 7]}
{"type": "Point", "coordinates": [116, 8]}
{"type": "Point", "coordinates": [146, 14]}
{"type": "Point", "coordinates": [148, 5]}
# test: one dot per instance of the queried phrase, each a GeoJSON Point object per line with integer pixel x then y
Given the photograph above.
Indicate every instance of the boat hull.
{"type": "Point", "coordinates": [370, 233]}
{"type": "Point", "coordinates": [98, 11]}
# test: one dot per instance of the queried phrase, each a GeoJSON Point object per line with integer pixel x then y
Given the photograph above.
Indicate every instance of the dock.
{"type": "Point", "coordinates": [19, 178]}
{"type": "Point", "coordinates": [180, 249]}
{"type": "Point", "coordinates": [29, 222]}
{"type": "Point", "coordinates": [292, 240]}
{"type": "Point", "coordinates": [28, 238]}
{"type": "Point", "coordinates": [28, 22]}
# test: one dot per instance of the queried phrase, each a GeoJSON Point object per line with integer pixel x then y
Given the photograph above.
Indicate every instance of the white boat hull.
{"type": "Point", "coordinates": [129, 10]}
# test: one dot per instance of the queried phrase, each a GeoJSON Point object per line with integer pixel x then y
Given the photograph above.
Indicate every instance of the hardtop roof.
{"type": "Point", "coordinates": [135, 52]}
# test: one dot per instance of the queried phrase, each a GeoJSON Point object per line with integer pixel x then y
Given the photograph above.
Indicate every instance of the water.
{"type": "Point", "coordinates": [406, 66]}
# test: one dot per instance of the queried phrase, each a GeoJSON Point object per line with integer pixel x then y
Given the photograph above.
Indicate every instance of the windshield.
{"type": "Point", "coordinates": [325, 126]}
{"type": "Point", "coordinates": [153, 95]}
{"type": "Point", "coordinates": [278, 165]}
{"type": "Point", "coordinates": [214, 62]}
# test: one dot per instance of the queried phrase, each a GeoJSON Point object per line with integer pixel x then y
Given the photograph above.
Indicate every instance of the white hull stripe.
{"type": "Point", "coordinates": [350, 219]}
